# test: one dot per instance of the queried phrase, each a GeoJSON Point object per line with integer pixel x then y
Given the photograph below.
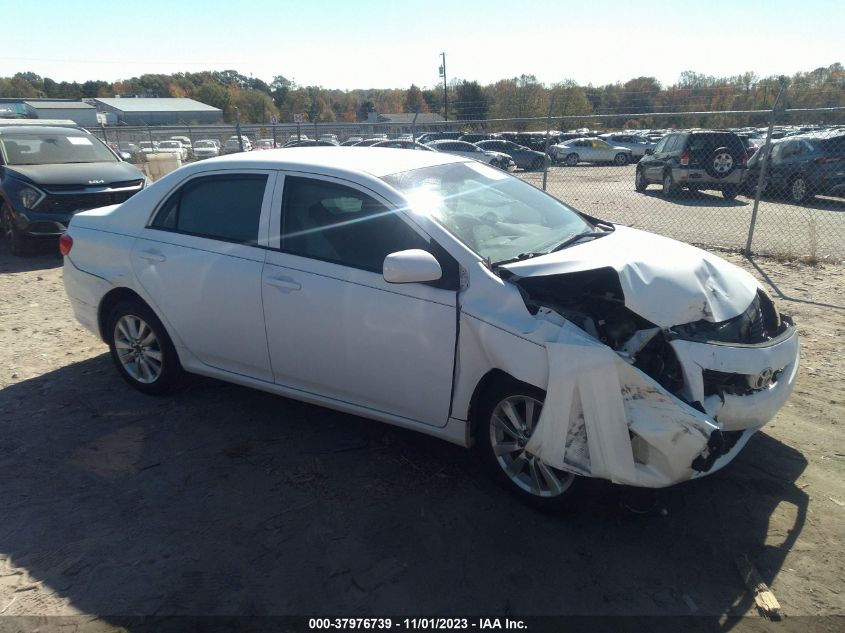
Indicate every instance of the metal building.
{"type": "Point", "coordinates": [158, 111]}
{"type": "Point", "coordinates": [83, 114]}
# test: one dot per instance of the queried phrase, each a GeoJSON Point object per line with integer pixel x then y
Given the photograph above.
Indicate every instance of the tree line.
{"type": "Point", "coordinates": [519, 97]}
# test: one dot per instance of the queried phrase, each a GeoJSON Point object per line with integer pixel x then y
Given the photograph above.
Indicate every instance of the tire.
{"type": "Point", "coordinates": [640, 183]}
{"type": "Point", "coordinates": [799, 190]}
{"type": "Point", "coordinates": [572, 160]}
{"type": "Point", "coordinates": [17, 243]}
{"type": "Point", "coordinates": [670, 189]}
{"type": "Point", "coordinates": [621, 159]}
{"type": "Point", "coordinates": [141, 349]}
{"type": "Point", "coordinates": [722, 163]}
{"type": "Point", "coordinates": [496, 431]}
{"type": "Point", "coordinates": [729, 192]}
{"type": "Point", "coordinates": [537, 163]}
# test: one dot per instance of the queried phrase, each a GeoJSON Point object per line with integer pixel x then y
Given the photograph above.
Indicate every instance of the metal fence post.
{"type": "Point", "coordinates": [764, 167]}
{"type": "Point", "coordinates": [546, 143]}
{"type": "Point", "coordinates": [238, 129]}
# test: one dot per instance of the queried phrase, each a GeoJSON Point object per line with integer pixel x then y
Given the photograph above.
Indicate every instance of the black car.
{"type": "Point", "coordinates": [532, 140]}
{"type": "Point", "coordinates": [49, 173]}
{"type": "Point", "coordinates": [474, 137]}
{"type": "Point", "coordinates": [802, 167]}
{"type": "Point", "coordinates": [695, 160]}
{"type": "Point", "coordinates": [524, 157]}
{"type": "Point", "coordinates": [311, 143]}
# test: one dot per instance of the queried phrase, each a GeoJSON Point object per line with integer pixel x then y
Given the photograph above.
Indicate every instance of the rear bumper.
{"type": "Point", "coordinates": [85, 292]}
{"type": "Point", "coordinates": [704, 180]}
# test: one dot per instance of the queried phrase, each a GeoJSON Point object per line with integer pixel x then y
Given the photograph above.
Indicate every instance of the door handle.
{"type": "Point", "coordinates": [152, 256]}
{"type": "Point", "coordinates": [285, 284]}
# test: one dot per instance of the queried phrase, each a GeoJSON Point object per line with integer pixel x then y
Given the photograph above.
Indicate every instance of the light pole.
{"type": "Point", "coordinates": [445, 93]}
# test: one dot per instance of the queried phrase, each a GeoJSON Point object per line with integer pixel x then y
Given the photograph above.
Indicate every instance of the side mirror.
{"type": "Point", "coordinates": [411, 266]}
{"type": "Point", "coordinates": [649, 151]}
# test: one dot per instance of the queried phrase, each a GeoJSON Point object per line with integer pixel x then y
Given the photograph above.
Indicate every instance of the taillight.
{"type": "Point", "coordinates": [828, 159]}
{"type": "Point", "coordinates": [744, 159]}
{"type": "Point", "coordinates": [65, 244]}
{"type": "Point", "coordinates": [685, 159]}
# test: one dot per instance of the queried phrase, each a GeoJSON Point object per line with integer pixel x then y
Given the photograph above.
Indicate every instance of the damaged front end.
{"type": "Point", "coordinates": [651, 404]}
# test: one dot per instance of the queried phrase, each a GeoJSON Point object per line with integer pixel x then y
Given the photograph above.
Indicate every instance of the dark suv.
{"type": "Point", "coordinates": [802, 167]}
{"type": "Point", "coordinates": [49, 173]}
{"type": "Point", "coordinates": [695, 160]}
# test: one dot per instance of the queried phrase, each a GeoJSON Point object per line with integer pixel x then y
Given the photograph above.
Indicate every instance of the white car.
{"type": "Point", "coordinates": [438, 294]}
{"type": "Point", "coordinates": [174, 147]}
{"type": "Point", "coordinates": [233, 145]}
{"type": "Point", "coordinates": [589, 150]}
{"type": "Point", "coordinates": [468, 150]}
{"type": "Point", "coordinates": [636, 143]}
{"type": "Point", "coordinates": [206, 149]}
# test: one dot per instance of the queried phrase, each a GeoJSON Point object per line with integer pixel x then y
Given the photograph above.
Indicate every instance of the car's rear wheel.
{"type": "Point", "coordinates": [669, 186]}
{"type": "Point", "coordinates": [799, 191]}
{"type": "Point", "coordinates": [572, 160]}
{"type": "Point", "coordinates": [16, 242]}
{"type": "Point", "coordinates": [640, 183]}
{"type": "Point", "coordinates": [141, 349]}
{"type": "Point", "coordinates": [729, 192]}
{"type": "Point", "coordinates": [506, 419]}
{"type": "Point", "coordinates": [621, 158]}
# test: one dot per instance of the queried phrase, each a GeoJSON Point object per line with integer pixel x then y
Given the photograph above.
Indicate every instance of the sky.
{"type": "Point", "coordinates": [392, 44]}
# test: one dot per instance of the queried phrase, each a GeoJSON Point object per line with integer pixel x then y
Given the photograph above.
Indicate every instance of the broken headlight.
{"type": "Point", "coordinates": [757, 324]}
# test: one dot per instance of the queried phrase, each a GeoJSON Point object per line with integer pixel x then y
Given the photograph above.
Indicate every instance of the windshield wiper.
{"type": "Point", "coordinates": [518, 258]}
{"type": "Point", "coordinates": [577, 238]}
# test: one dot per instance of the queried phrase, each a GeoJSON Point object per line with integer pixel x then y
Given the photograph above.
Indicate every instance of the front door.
{"type": "Point", "coordinates": [335, 327]}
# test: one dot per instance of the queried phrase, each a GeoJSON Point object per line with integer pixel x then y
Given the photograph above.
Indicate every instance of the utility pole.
{"type": "Point", "coordinates": [445, 93]}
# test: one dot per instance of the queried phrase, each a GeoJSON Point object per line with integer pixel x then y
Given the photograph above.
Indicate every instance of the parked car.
{"type": "Point", "coordinates": [233, 145]}
{"type": "Point", "coordinates": [523, 157]}
{"type": "Point", "coordinates": [265, 143]}
{"type": "Point", "coordinates": [801, 167]}
{"type": "Point", "coordinates": [468, 150]}
{"type": "Point", "coordinates": [206, 149]}
{"type": "Point", "coordinates": [438, 294]}
{"type": "Point", "coordinates": [532, 140]}
{"type": "Point", "coordinates": [148, 147]}
{"type": "Point", "coordinates": [186, 143]}
{"type": "Point", "coordinates": [634, 142]}
{"type": "Point", "coordinates": [474, 137]}
{"type": "Point", "coordinates": [50, 173]}
{"type": "Point", "coordinates": [310, 143]}
{"type": "Point", "coordinates": [331, 138]}
{"type": "Point", "coordinates": [367, 142]}
{"type": "Point", "coordinates": [174, 147]}
{"type": "Point", "coordinates": [129, 151]}
{"type": "Point", "coordinates": [589, 150]}
{"type": "Point", "coordinates": [352, 140]}
{"type": "Point", "coordinates": [695, 160]}
{"type": "Point", "coordinates": [401, 144]}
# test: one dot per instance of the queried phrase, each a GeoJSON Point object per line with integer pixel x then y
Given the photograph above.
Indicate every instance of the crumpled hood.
{"type": "Point", "coordinates": [663, 280]}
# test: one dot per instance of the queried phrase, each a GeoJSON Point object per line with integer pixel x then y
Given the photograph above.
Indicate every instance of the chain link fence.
{"type": "Point", "coordinates": [692, 176]}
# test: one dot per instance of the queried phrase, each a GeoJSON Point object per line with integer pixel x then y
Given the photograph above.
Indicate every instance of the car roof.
{"type": "Point", "coordinates": [378, 162]}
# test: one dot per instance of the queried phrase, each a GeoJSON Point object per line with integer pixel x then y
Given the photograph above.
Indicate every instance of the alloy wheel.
{"type": "Point", "coordinates": [138, 349]}
{"type": "Point", "coordinates": [511, 424]}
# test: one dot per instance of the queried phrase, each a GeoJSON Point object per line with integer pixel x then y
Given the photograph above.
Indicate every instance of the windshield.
{"type": "Point", "coordinates": [39, 147]}
{"type": "Point", "coordinates": [176, 144]}
{"type": "Point", "coordinates": [498, 216]}
{"type": "Point", "coordinates": [203, 144]}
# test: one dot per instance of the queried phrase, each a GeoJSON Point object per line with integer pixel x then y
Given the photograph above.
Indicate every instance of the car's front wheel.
{"type": "Point", "coordinates": [16, 242]}
{"type": "Point", "coordinates": [141, 349]}
{"type": "Point", "coordinates": [799, 191]}
{"type": "Point", "coordinates": [506, 419]}
{"type": "Point", "coordinates": [621, 159]}
{"type": "Point", "coordinates": [640, 183]}
{"type": "Point", "coordinates": [572, 160]}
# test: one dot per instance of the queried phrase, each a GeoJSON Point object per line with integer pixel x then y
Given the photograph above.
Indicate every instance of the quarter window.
{"type": "Point", "coordinates": [327, 221]}
{"type": "Point", "coordinates": [220, 207]}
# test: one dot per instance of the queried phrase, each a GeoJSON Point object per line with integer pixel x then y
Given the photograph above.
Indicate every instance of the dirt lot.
{"type": "Point", "coordinates": [222, 500]}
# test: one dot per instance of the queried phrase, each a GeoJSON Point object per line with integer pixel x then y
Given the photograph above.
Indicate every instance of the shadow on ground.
{"type": "Point", "coordinates": [223, 500]}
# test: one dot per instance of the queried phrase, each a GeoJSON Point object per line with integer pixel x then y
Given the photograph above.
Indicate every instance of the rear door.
{"type": "Point", "coordinates": [200, 261]}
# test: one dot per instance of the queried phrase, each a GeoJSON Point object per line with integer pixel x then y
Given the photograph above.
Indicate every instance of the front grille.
{"type": "Point", "coordinates": [123, 184]}
{"type": "Point", "coordinates": [59, 203]}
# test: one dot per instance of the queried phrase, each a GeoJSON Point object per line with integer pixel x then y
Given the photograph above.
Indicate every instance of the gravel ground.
{"type": "Point", "coordinates": [223, 500]}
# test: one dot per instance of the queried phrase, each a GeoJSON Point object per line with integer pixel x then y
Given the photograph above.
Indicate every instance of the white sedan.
{"type": "Point", "coordinates": [442, 295]}
{"type": "Point", "coordinates": [589, 150]}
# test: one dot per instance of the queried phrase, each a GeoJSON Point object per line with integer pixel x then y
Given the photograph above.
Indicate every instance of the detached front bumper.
{"type": "Point", "coordinates": [605, 418]}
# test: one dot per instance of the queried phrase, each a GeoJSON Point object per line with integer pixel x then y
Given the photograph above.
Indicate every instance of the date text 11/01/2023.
{"type": "Point", "coordinates": [423, 624]}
